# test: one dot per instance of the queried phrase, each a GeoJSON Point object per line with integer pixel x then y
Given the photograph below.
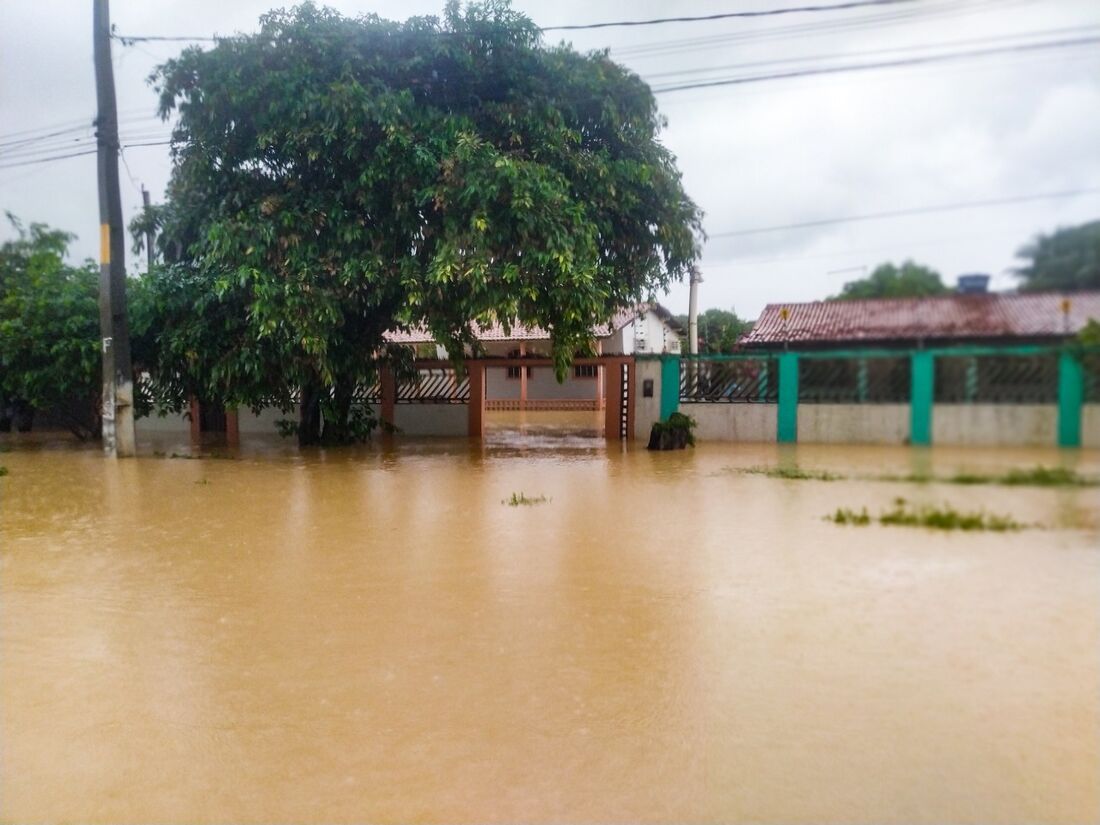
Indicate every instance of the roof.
{"type": "Point", "coordinates": [521, 332]}
{"type": "Point", "coordinates": [956, 317]}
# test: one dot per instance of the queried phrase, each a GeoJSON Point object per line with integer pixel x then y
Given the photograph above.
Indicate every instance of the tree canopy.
{"type": "Point", "coordinates": [1066, 260]}
{"type": "Point", "coordinates": [887, 280]}
{"type": "Point", "coordinates": [335, 178]}
{"type": "Point", "coordinates": [49, 330]}
{"type": "Point", "coordinates": [719, 329]}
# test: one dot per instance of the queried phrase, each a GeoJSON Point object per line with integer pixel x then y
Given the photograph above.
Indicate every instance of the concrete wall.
{"type": "Point", "coordinates": [431, 419]}
{"type": "Point", "coordinates": [541, 384]}
{"type": "Point", "coordinates": [853, 423]}
{"type": "Point", "coordinates": [1004, 424]}
{"type": "Point", "coordinates": [646, 410]}
{"type": "Point", "coordinates": [175, 424]}
{"type": "Point", "coordinates": [1090, 425]}
{"type": "Point", "coordinates": [733, 422]}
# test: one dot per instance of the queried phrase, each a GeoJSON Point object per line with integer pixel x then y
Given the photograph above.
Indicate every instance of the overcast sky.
{"type": "Point", "coordinates": [753, 156]}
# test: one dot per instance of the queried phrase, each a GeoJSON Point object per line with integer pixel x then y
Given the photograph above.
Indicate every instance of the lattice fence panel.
{"type": "Point", "coordinates": [742, 381]}
{"type": "Point", "coordinates": [1091, 364]}
{"type": "Point", "coordinates": [997, 379]}
{"type": "Point", "coordinates": [854, 380]}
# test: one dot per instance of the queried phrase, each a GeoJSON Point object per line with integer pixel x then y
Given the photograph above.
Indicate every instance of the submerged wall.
{"type": "Point", "coordinates": [733, 422]}
{"type": "Point", "coordinates": [853, 423]}
{"type": "Point", "coordinates": [431, 419]}
{"type": "Point", "coordinates": [988, 424]}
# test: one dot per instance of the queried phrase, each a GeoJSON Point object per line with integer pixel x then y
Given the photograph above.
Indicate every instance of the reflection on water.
{"type": "Point", "coordinates": [370, 635]}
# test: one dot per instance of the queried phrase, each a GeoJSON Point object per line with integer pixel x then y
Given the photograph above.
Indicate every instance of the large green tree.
{"type": "Point", "coordinates": [336, 178]}
{"type": "Point", "coordinates": [1067, 260]}
{"type": "Point", "coordinates": [49, 331]}
{"type": "Point", "coordinates": [719, 329]}
{"type": "Point", "coordinates": [887, 280]}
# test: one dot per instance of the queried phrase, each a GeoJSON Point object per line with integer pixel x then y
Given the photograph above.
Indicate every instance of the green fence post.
{"type": "Point", "coordinates": [921, 391]}
{"type": "Point", "coordinates": [670, 385]}
{"type": "Point", "coordinates": [787, 414]}
{"type": "Point", "coordinates": [1071, 393]}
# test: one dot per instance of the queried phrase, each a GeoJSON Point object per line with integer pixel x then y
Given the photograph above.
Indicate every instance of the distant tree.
{"type": "Point", "coordinates": [719, 330]}
{"type": "Point", "coordinates": [49, 332]}
{"type": "Point", "coordinates": [1066, 260]}
{"type": "Point", "coordinates": [910, 280]}
{"type": "Point", "coordinates": [336, 178]}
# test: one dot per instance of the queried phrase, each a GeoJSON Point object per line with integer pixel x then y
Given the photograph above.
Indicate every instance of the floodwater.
{"type": "Point", "coordinates": [371, 635]}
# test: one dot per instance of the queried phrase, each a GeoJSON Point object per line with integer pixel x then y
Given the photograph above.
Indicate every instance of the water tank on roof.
{"type": "Point", "coordinates": [973, 284]}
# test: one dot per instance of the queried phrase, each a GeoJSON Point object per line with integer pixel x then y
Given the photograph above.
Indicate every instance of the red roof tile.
{"type": "Point", "coordinates": [521, 332]}
{"type": "Point", "coordinates": [1036, 315]}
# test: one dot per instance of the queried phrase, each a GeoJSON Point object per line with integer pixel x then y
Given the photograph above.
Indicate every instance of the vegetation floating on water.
{"type": "Point", "coordinates": [519, 499]}
{"type": "Point", "coordinates": [673, 434]}
{"type": "Point", "coordinates": [3, 471]}
{"type": "Point", "coordinates": [793, 473]}
{"type": "Point", "coordinates": [937, 518]}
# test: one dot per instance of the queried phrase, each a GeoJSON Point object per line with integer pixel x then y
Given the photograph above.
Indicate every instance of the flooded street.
{"type": "Point", "coordinates": [374, 635]}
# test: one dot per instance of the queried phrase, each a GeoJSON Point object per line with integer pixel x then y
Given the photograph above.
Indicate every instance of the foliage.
{"type": "Point", "coordinates": [719, 330]}
{"type": "Point", "coordinates": [675, 433]}
{"type": "Point", "coordinates": [1067, 260]}
{"type": "Point", "coordinates": [793, 473]}
{"type": "Point", "coordinates": [910, 280]}
{"type": "Point", "coordinates": [521, 500]}
{"type": "Point", "coordinates": [3, 471]}
{"type": "Point", "coordinates": [1089, 336]}
{"type": "Point", "coordinates": [936, 518]}
{"type": "Point", "coordinates": [845, 515]}
{"type": "Point", "coordinates": [49, 329]}
{"type": "Point", "coordinates": [336, 178]}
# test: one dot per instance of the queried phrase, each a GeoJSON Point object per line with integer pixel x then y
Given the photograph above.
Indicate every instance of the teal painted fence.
{"type": "Point", "coordinates": [923, 389]}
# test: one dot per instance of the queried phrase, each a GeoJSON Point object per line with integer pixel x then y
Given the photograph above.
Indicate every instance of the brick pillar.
{"type": "Point", "coordinates": [232, 428]}
{"type": "Point", "coordinates": [787, 408]}
{"type": "Point", "coordinates": [922, 391]}
{"type": "Point", "coordinates": [613, 387]}
{"type": "Point", "coordinates": [476, 408]}
{"type": "Point", "coordinates": [388, 386]}
{"type": "Point", "coordinates": [1071, 394]}
{"type": "Point", "coordinates": [522, 379]}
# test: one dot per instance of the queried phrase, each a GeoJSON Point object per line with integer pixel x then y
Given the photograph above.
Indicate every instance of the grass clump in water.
{"type": "Point", "coordinates": [934, 518]}
{"type": "Point", "coordinates": [521, 500]}
{"type": "Point", "coordinates": [844, 515]}
{"type": "Point", "coordinates": [3, 471]}
{"type": "Point", "coordinates": [1047, 477]}
{"type": "Point", "coordinates": [795, 473]}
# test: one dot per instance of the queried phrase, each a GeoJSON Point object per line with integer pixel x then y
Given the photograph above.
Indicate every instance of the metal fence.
{"type": "Point", "coordinates": [434, 385]}
{"type": "Point", "coordinates": [997, 379]}
{"type": "Point", "coordinates": [1090, 364]}
{"type": "Point", "coordinates": [854, 380]}
{"type": "Point", "coordinates": [737, 381]}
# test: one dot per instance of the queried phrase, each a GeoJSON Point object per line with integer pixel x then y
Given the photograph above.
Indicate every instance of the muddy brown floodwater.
{"type": "Point", "coordinates": [371, 635]}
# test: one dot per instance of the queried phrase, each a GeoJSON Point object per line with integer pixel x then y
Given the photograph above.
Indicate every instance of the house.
{"type": "Point", "coordinates": [646, 329]}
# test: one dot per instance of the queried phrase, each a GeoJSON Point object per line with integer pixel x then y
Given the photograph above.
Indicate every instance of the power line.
{"type": "Point", "coordinates": [854, 4]}
{"type": "Point", "coordinates": [130, 39]}
{"type": "Point", "coordinates": [47, 160]}
{"type": "Point", "coordinates": [900, 213]}
{"type": "Point", "coordinates": [885, 64]}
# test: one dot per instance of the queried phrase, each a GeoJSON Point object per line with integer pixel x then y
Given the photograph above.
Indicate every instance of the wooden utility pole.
{"type": "Point", "coordinates": [118, 381]}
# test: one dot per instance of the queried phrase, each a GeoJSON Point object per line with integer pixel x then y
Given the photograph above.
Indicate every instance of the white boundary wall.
{"type": "Point", "coordinates": [1090, 425]}
{"type": "Point", "coordinates": [733, 422]}
{"type": "Point", "coordinates": [853, 423]}
{"type": "Point", "coordinates": [995, 424]}
{"type": "Point", "coordinates": [431, 419]}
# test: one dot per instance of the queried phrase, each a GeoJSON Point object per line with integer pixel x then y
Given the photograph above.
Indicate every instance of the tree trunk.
{"type": "Point", "coordinates": [337, 430]}
{"type": "Point", "coordinates": [309, 419]}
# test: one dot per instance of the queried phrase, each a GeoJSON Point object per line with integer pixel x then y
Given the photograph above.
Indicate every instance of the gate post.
{"type": "Point", "coordinates": [921, 393]}
{"type": "Point", "coordinates": [232, 428]}
{"type": "Point", "coordinates": [1070, 398]}
{"type": "Point", "coordinates": [787, 413]}
{"type": "Point", "coordinates": [670, 385]}
{"type": "Point", "coordinates": [476, 407]}
{"type": "Point", "coordinates": [613, 395]}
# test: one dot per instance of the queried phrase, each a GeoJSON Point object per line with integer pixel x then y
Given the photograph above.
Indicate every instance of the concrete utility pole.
{"type": "Point", "coordinates": [693, 311]}
{"type": "Point", "coordinates": [148, 231]}
{"type": "Point", "coordinates": [118, 381]}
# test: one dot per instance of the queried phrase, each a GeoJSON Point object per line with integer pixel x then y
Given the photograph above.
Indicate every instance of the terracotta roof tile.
{"type": "Point", "coordinates": [521, 332]}
{"type": "Point", "coordinates": [1035, 315]}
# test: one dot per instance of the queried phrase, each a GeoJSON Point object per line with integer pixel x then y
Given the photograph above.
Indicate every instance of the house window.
{"type": "Point", "coordinates": [514, 372]}
{"type": "Point", "coordinates": [585, 371]}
